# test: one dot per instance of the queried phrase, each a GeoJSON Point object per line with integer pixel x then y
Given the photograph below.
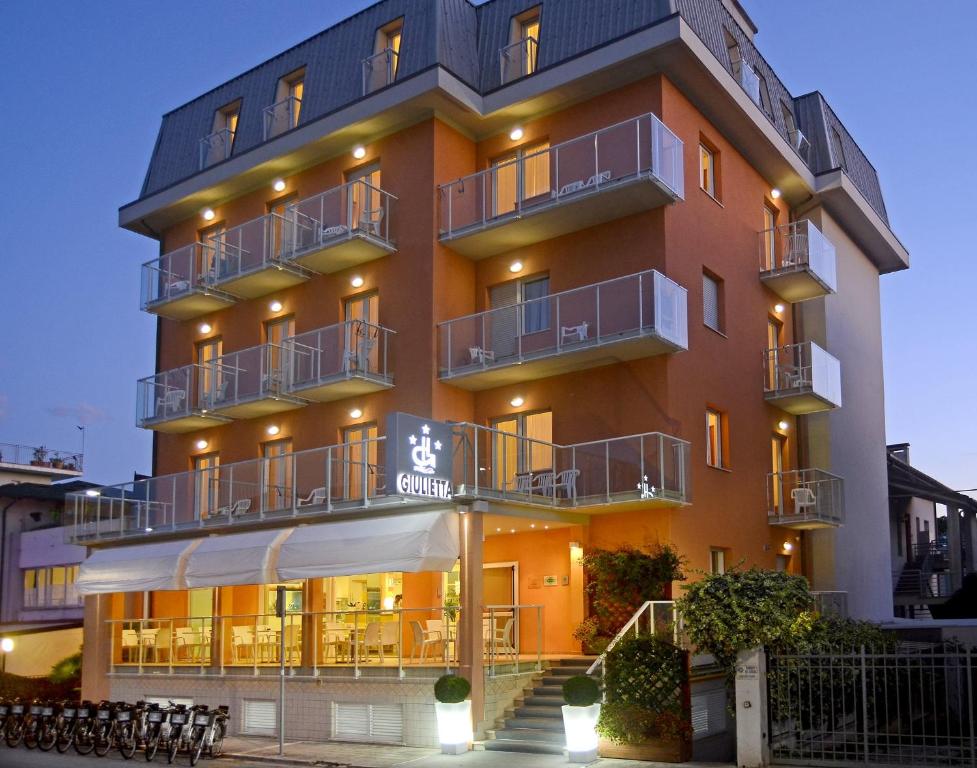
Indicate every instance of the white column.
{"type": "Point", "coordinates": [752, 742]}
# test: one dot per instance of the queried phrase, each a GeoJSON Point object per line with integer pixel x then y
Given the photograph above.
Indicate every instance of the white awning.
{"type": "Point", "coordinates": [237, 558]}
{"type": "Point", "coordinates": [423, 541]}
{"type": "Point", "coordinates": [136, 568]}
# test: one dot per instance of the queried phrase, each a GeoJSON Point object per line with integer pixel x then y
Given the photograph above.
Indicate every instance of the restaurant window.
{"type": "Point", "coordinates": [717, 561]}
{"type": "Point", "coordinates": [293, 598]}
{"type": "Point", "coordinates": [451, 587]}
{"type": "Point", "coordinates": [522, 445]}
{"type": "Point", "coordinates": [707, 169]}
{"type": "Point", "coordinates": [278, 460]}
{"type": "Point", "coordinates": [712, 301]}
{"type": "Point", "coordinates": [520, 176]}
{"type": "Point", "coordinates": [716, 439]}
{"type": "Point", "coordinates": [360, 461]}
{"type": "Point", "coordinates": [206, 485]}
{"type": "Point", "coordinates": [364, 592]}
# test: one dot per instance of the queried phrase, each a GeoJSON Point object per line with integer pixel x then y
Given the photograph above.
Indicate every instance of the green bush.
{"type": "Point", "coordinates": [451, 689]}
{"type": "Point", "coordinates": [629, 724]}
{"type": "Point", "coordinates": [581, 691]}
{"type": "Point", "coordinates": [67, 670]}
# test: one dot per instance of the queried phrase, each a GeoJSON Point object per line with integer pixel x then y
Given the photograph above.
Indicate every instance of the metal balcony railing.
{"type": "Point", "coordinates": [39, 456]}
{"type": "Point", "coordinates": [250, 247]}
{"type": "Point", "coordinates": [379, 70]}
{"type": "Point", "coordinates": [805, 498]}
{"type": "Point", "coordinates": [281, 116]}
{"type": "Point", "coordinates": [799, 245]}
{"type": "Point", "coordinates": [801, 370]}
{"type": "Point", "coordinates": [639, 147]}
{"type": "Point", "coordinates": [650, 467]}
{"type": "Point", "coordinates": [352, 348]}
{"type": "Point", "coordinates": [240, 377]}
{"type": "Point", "coordinates": [178, 274]}
{"type": "Point", "coordinates": [171, 395]}
{"type": "Point", "coordinates": [601, 314]}
{"type": "Point", "coordinates": [518, 59]}
{"type": "Point", "coordinates": [216, 147]}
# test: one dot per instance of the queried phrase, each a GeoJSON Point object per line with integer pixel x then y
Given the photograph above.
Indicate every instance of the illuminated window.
{"type": "Point", "coordinates": [707, 170]}
{"type": "Point", "coordinates": [364, 592]}
{"type": "Point", "coordinates": [360, 460]}
{"type": "Point", "coordinates": [390, 38]}
{"type": "Point", "coordinates": [206, 484]}
{"type": "Point", "coordinates": [521, 56]}
{"type": "Point", "coordinates": [522, 444]}
{"type": "Point", "coordinates": [277, 455]}
{"type": "Point", "coordinates": [769, 238]}
{"type": "Point", "coordinates": [715, 438]}
{"type": "Point", "coordinates": [717, 561]}
{"type": "Point", "coordinates": [778, 447]}
{"type": "Point", "coordinates": [225, 119]}
{"type": "Point", "coordinates": [519, 176]}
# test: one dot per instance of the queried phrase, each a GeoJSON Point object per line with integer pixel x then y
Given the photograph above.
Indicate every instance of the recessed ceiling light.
{"type": "Point", "coordinates": [357, 281]}
{"type": "Point", "coordinates": [546, 527]}
{"type": "Point", "coordinates": [355, 413]}
{"type": "Point", "coordinates": [201, 444]}
{"type": "Point", "coordinates": [273, 430]}
{"type": "Point", "coordinates": [498, 530]}
{"type": "Point", "coordinates": [515, 266]}
{"type": "Point", "coordinates": [359, 152]}
{"type": "Point", "coordinates": [512, 530]}
{"type": "Point", "coordinates": [208, 214]}
{"type": "Point", "coordinates": [204, 328]}
{"type": "Point", "coordinates": [275, 306]}
{"type": "Point", "coordinates": [775, 193]}
{"type": "Point", "coordinates": [516, 133]}
{"type": "Point", "coordinates": [516, 402]}
{"type": "Point", "coordinates": [279, 185]}
{"type": "Point", "coordinates": [532, 525]}
{"type": "Point", "coordinates": [149, 530]}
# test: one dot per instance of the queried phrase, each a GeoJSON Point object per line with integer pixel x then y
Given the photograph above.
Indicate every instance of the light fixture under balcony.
{"type": "Point", "coordinates": [355, 413]}
{"type": "Point", "coordinates": [783, 426]}
{"type": "Point", "coordinates": [359, 152]}
{"type": "Point", "coordinates": [356, 281]}
{"type": "Point", "coordinates": [779, 308]}
{"type": "Point", "coordinates": [208, 214]}
{"type": "Point", "coordinates": [273, 430]}
{"type": "Point", "coordinates": [516, 402]}
{"type": "Point", "coordinates": [775, 193]}
{"type": "Point", "coordinates": [515, 266]}
{"type": "Point", "coordinates": [516, 133]}
{"type": "Point", "coordinates": [278, 185]}
{"type": "Point", "coordinates": [204, 328]}
{"type": "Point", "coordinates": [201, 445]}
{"type": "Point", "coordinates": [92, 492]}
{"type": "Point", "coordinates": [788, 546]}
{"type": "Point", "coordinates": [275, 306]}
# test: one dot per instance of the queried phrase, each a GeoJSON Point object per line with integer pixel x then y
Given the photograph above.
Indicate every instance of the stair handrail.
{"type": "Point", "coordinates": [647, 606]}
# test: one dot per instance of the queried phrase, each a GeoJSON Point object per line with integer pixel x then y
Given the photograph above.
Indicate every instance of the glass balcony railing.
{"type": "Point", "coordinates": [249, 259]}
{"type": "Point", "coordinates": [172, 401]}
{"type": "Point", "coordinates": [40, 459]}
{"type": "Point", "coordinates": [800, 143]}
{"type": "Point", "coordinates": [802, 378]}
{"type": "Point", "coordinates": [216, 147]}
{"type": "Point", "coordinates": [281, 116]}
{"type": "Point", "coordinates": [178, 284]}
{"type": "Point", "coordinates": [748, 80]}
{"type": "Point", "coordinates": [805, 498]}
{"type": "Point", "coordinates": [568, 187]}
{"type": "Point", "coordinates": [624, 318]}
{"type": "Point", "coordinates": [649, 469]}
{"type": "Point", "coordinates": [797, 262]}
{"type": "Point", "coordinates": [251, 382]}
{"type": "Point", "coordinates": [379, 70]}
{"type": "Point", "coordinates": [518, 59]}
{"type": "Point", "coordinates": [341, 227]}
{"type": "Point", "coordinates": [340, 360]}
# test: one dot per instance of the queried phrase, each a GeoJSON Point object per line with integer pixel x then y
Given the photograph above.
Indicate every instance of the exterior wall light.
{"type": "Point", "coordinates": [359, 152]}
{"type": "Point", "coordinates": [91, 492]}
{"type": "Point", "coordinates": [204, 328]}
{"type": "Point", "coordinates": [775, 193]}
{"type": "Point", "coordinates": [278, 185]}
{"type": "Point", "coordinates": [273, 430]}
{"type": "Point", "coordinates": [355, 413]}
{"type": "Point", "coordinates": [208, 214]}
{"type": "Point", "coordinates": [783, 426]}
{"type": "Point", "coordinates": [6, 645]}
{"type": "Point", "coordinates": [515, 266]}
{"type": "Point", "coordinates": [201, 445]}
{"type": "Point", "coordinates": [516, 402]}
{"type": "Point", "coordinates": [275, 306]}
{"type": "Point", "coordinates": [778, 308]}
{"type": "Point", "coordinates": [356, 281]}
{"type": "Point", "coordinates": [516, 133]}
{"type": "Point", "coordinates": [788, 546]}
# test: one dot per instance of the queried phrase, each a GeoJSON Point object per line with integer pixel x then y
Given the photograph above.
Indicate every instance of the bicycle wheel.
{"type": "Point", "coordinates": [127, 740]}
{"type": "Point", "coordinates": [197, 745]}
{"type": "Point", "coordinates": [14, 736]}
{"type": "Point", "coordinates": [218, 744]}
{"type": "Point", "coordinates": [103, 740]}
{"type": "Point", "coordinates": [174, 745]}
{"type": "Point", "coordinates": [152, 743]}
{"type": "Point", "coordinates": [30, 736]}
{"type": "Point", "coordinates": [48, 737]}
{"type": "Point", "coordinates": [84, 743]}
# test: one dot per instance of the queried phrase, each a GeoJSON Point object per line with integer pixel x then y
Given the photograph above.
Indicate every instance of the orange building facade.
{"type": "Point", "coordinates": [637, 302]}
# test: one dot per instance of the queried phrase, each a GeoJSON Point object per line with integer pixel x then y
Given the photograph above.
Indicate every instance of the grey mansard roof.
{"type": "Point", "coordinates": [464, 40]}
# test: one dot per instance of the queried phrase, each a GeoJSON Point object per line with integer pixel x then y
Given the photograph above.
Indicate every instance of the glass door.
{"type": "Point", "coordinates": [774, 329]}
{"type": "Point", "coordinates": [274, 376]}
{"type": "Point", "coordinates": [206, 485]}
{"type": "Point", "coordinates": [361, 350]}
{"type": "Point", "coordinates": [360, 461]}
{"type": "Point", "coordinates": [209, 376]}
{"type": "Point", "coordinates": [365, 207]}
{"type": "Point", "coordinates": [277, 478]}
{"type": "Point", "coordinates": [777, 446]}
{"type": "Point", "coordinates": [280, 230]}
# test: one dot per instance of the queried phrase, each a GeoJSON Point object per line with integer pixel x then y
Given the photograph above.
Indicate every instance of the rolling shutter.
{"type": "Point", "coordinates": [259, 717]}
{"type": "Point", "coordinates": [375, 723]}
{"type": "Point", "coordinates": [708, 714]}
{"type": "Point", "coordinates": [710, 302]}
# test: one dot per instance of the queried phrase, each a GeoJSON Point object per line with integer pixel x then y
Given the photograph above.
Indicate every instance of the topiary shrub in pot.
{"type": "Point", "coordinates": [454, 712]}
{"type": "Point", "coordinates": [580, 713]}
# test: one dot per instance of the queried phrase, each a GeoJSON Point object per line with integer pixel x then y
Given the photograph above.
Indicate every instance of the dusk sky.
{"type": "Point", "coordinates": [84, 84]}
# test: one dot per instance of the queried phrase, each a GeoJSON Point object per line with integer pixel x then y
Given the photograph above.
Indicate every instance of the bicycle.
{"type": "Point", "coordinates": [83, 732]}
{"type": "Point", "coordinates": [126, 731]}
{"type": "Point", "coordinates": [155, 720]}
{"type": "Point", "coordinates": [103, 729]}
{"type": "Point", "coordinates": [31, 724]}
{"type": "Point", "coordinates": [47, 727]}
{"type": "Point", "coordinates": [179, 717]}
{"type": "Point", "coordinates": [64, 732]}
{"type": "Point", "coordinates": [14, 724]}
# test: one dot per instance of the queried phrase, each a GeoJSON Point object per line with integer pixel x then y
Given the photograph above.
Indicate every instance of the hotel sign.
{"type": "Point", "coordinates": [419, 456]}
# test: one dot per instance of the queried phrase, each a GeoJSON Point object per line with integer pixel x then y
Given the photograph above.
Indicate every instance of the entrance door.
{"type": "Point", "coordinates": [362, 342]}
{"type": "Point", "coordinates": [499, 584]}
{"type": "Point", "coordinates": [500, 588]}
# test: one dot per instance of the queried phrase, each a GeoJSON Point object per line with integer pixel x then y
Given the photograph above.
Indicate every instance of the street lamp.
{"type": "Point", "coordinates": [6, 646]}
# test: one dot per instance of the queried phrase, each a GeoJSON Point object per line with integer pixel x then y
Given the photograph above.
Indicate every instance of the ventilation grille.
{"type": "Point", "coordinates": [380, 723]}
{"type": "Point", "coordinates": [259, 717]}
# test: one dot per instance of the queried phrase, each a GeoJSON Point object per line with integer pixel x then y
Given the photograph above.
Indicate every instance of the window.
{"type": "Point", "coordinates": [390, 37]}
{"type": "Point", "coordinates": [521, 445]}
{"type": "Point", "coordinates": [715, 438]}
{"type": "Point", "coordinates": [536, 310]}
{"type": "Point", "coordinates": [283, 115]}
{"type": "Point", "coordinates": [278, 473]}
{"type": "Point", "coordinates": [360, 461]}
{"type": "Point", "coordinates": [210, 377]}
{"type": "Point", "coordinates": [209, 238]}
{"type": "Point", "coordinates": [225, 129]}
{"type": "Point", "coordinates": [774, 333]}
{"type": "Point", "coordinates": [733, 50]}
{"type": "Point", "coordinates": [529, 35]}
{"type": "Point", "coordinates": [838, 150]}
{"type": "Point", "coordinates": [712, 302]}
{"type": "Point", "coordinates": [365, 203]}
{"type": "Point", "coordinates": [363, 592]}
{"type": "Point", "coordinates": [778, 447]}
{"type": "Point", "coordinates": [789, 123]}
{"type": "Point", "coordinates": [707, 170]}
{"type": "Point", "coordinates": [380, 69]}
{"type": "Point", "coordinates": [206, 484]}
{"type": "Point", "coordinates": [769, 238]}
{"type": "Point", "coordinates": [521, 56]}
{"type": "Point", "coordinates": [717, 561]}
{"type": "Point", "coordinates": [520, 176]}
{"type": "Point", "coordinates": [362, 315]}
{"type": "Point", "coordinates": [764, 95]}
{"type": "Point", "coordinates": [51, 587]}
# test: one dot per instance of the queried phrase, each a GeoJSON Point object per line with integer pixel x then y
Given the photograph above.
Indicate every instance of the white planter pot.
{"type": "Point", "coordinates": [580, 724]}
{"type": "Point", "coordinates": [454, 726]}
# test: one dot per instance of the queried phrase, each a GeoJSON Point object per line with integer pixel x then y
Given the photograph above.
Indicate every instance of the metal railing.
{"type": "Point", "coordinates": [831, 603]}
{"type": "Point", "coordinates": [648, 467]}
{"type": "Point", "coordinates": [639, 305]}
{"type": "Point", "coordinates": [658, 618]}
{"type": "Point", "coordinates": [518, 59]}
{"type": "Point", "coordinates": [923, 583]}
{"type": "Point", "coordinates": [216, 147]}
{"type": "Point", "coordinates": [349, 641]}
{"type": "Point", "coordinates": [249, 374]}
{"type": "Point", "coordinates": [640, 147]}
{"type": "Point", "coordinates": [354, 209]}
{"type": "Point", "coordinates": [53, 596]}
{"type": "Point", "coordinates": [317, 481]}
{"type": "Point", "coordinates": [169, 395]}
{"type": "Point", "coordinates": [39, 456]}
{"type": "Point", "coordinates": [379, 70]}
{"type": "Point", "coordinates": [796, 246]}
{"type": "Point", "coordinates": [799, 369]}
{"type": "Point", "coordinates": [935, 551]}
{"type": "Point", "coordinates": [748, 80]}
{"type": "Point", "coordinates": [281, 116]}
{"type": "Point", "coordinates": [805, 495]}
{"type": "Point", "coordinates": [800, 143]}
{"type": "Point", "coordinates": [179, 273]}
{"type": "Point", "coordinates": [250, 247]}
{"type": "Point", "coordinates": [351, 348]}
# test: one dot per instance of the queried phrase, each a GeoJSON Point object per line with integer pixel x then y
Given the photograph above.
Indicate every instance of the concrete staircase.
{"type": "Point", "coordinates": [535, 721]}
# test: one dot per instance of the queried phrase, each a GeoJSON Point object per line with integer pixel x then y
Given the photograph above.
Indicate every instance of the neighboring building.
{"type": "Point", "coordinates": [934, 538]}
{"type": "Point", "coordinates": [40, 608]}
{"type": "Point", "coordinates": [626, 281]}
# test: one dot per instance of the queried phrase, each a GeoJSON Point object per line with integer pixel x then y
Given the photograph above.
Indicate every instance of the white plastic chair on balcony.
{"type": "Point", "coordinates": [316, 497]}
{"type": "Point", "coordinates": [170, 402]}
{"type": "Point", "coordinates": [370, 221]}
{"type": "Point", "coordinates": [574, 332]}
{"type": "Point", "coordinates": [422, 640]}
{"type": "Point", "coordinates": [598, 178]}
{"type": "Point", "coordinates": [796, 251]}
{"type": "Point", "coordinates": [803, 498]}
{"type": "Point", "coordinates": [242, 643]}
{"type": "Point", "coordinates": [500, 639]}
{"type": "Point", "coordinates": [130, 643]}
{"type": "Point", "coordinates": [566, 483]}
{"type": "Point", "coordinates": [479, 355]}
{"type": "Point", "coordinates": [357, 357]}
{"type": "Point", "coordinates": [175, 287]}
{"type": "Point", "coordinates": [239, 507]}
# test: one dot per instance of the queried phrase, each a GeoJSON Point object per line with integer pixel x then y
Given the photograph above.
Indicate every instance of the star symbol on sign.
{"type": "Point", "coordinates": [437, 445]}
{"type": "Point", "coordinates": [412, 440]}
{"type": "Point", "coordinates": [425, 430]}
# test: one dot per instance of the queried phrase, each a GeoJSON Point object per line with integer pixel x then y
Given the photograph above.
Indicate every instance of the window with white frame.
{"type": "Point", "coordinates": [51, 587]}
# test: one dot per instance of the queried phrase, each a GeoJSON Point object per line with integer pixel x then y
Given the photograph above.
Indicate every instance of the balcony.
{"type": "Point", "coordinates": [215, 147]}
{"type": "Point", "coordinates": [172, 401]}
{"type": "Point", "coordinates": [603, 176]}
{"type": "Point", "coordinates": [281, 116]}
{"type": "Point", "coordinates": [800, 144]}
{"type": "Point", "coordinates": [177, 285]}
{"type": "Point", "coordinates": [748, 80]}
{"type": "Point", "coordinates": [249, 383]}
{"type": "Point", "coordinates": [379, 70]}
{"type": "Point", "coordinates": [39, 460]}
{"type": "Point", "coordinates": [639, 471]}
{"type": "Point", "coordinates": [805, 499]}
{"type": "Point", "coordinates": [342, 227]}
{"type": "Point", "coordinates": [249, 259]}
{"type": "Point", "coordinates": [518, 59]}
{"type": "Point", "coordinates": [802, 378]}
{"type": "Point", "coordinates": [621, 319]}
{"type": "Point", "coordinates": [797, 262]}
{"type": "Point", "coordinates": [342, 360]}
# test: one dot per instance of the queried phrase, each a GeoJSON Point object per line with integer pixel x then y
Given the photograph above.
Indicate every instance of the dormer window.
{"type": "Point", "coordinates": [380, 69]}
{"type": "Point", "coordinates": [521, 56]}
{"type": "Point", "coordinates": [283, 115]}
{"type": "Point", "coordinates": [838, 150]}
{"type": "Point", "coordinates": [742, 71]}
{"type": "Point", "coordinates": [219, 144]}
